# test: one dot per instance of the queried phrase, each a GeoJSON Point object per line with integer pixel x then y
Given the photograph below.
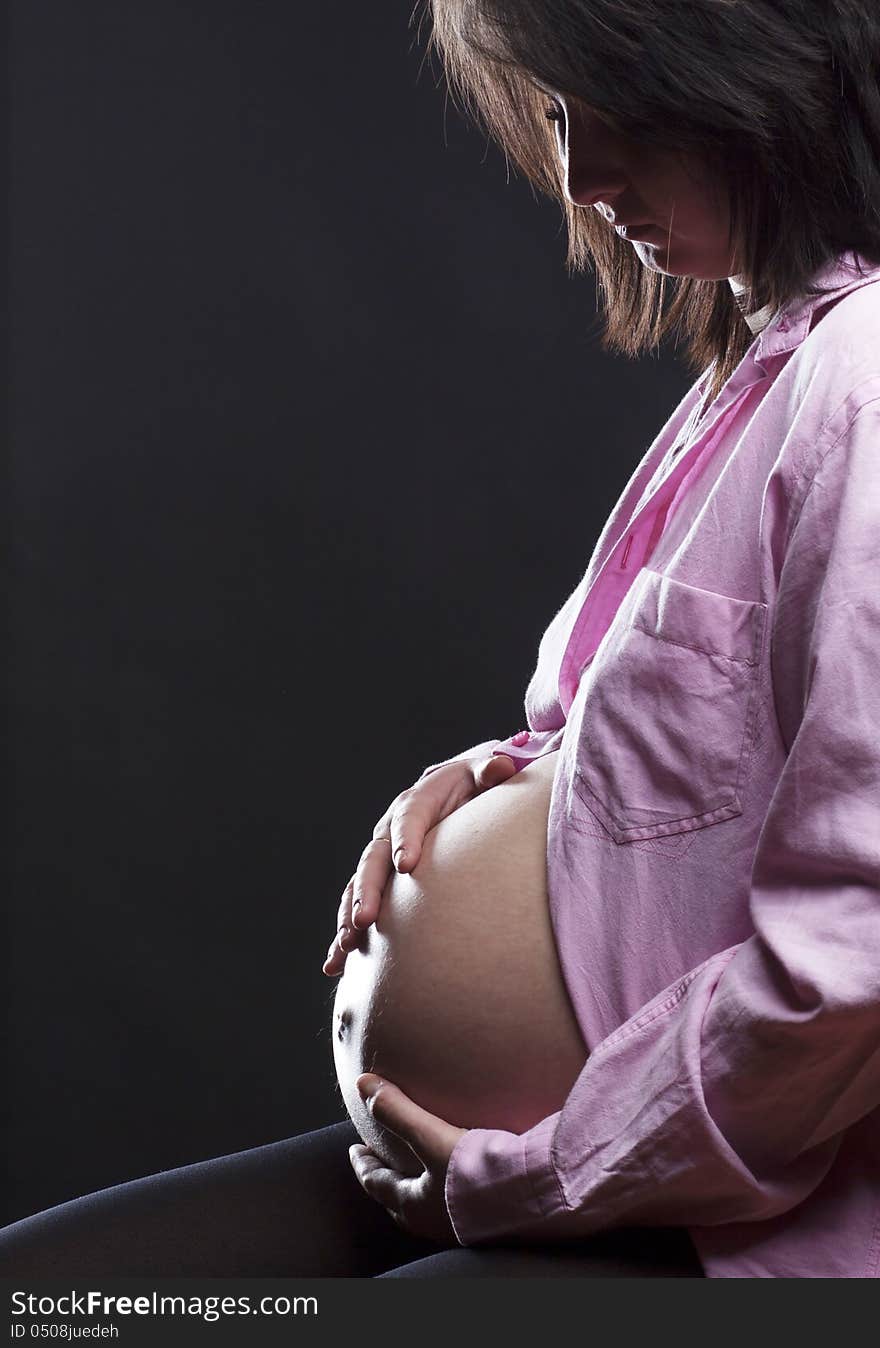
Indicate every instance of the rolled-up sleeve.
{"type": "Point", "coordinates": [726, 1098]}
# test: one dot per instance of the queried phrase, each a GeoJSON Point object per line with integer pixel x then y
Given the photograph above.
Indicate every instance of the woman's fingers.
{"type": "Point", "coordinates": [360, 901]}
{"type": "Point", "coordinates": [416, 811]}
{"type": "Point", "coordinates": [370, 880]}
{"type": "Point", "coordinates": [397, 844]}
{"type": "Point", "coordinates": [493, 770]}
{"type": "Point", "coordinates": [335, 958]}
{"type": "Point", "coordinates": [334, 962]}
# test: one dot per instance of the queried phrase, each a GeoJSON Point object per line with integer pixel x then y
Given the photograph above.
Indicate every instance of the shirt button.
{"type": "Point", "coordinates": [520, 738]}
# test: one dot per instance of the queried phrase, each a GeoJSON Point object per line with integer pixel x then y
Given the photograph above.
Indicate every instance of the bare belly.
{"type": "Point", "coordinates": [456, 994]}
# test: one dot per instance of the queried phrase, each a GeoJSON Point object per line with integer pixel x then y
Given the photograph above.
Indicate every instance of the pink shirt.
{"type": "Point", "coordinates": [713, 843]}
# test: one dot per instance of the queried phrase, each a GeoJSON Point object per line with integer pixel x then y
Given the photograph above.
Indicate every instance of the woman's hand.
{"type": "Point", "coordinates": [397, 842]}
{"type": "Point", "coordinates": [416, 1204]}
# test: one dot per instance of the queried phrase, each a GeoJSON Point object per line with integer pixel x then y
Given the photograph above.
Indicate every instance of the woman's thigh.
{"type": "Point", "coordinates": [292, 1208]}
{"type": "Point", "coordinates": [631, 1253]}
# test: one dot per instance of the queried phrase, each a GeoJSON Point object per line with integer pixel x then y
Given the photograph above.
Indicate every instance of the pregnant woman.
{"type": "Point", "coordinates": [609, 989]}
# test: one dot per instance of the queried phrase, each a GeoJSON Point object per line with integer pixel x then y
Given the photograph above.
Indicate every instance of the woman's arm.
{"type": "Point", "coordinates": [728, 1097]}
{"type": "Point", "coordinates": [522, 747]}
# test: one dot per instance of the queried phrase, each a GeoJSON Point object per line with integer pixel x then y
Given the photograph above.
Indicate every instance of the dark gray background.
{"type": "Point", "coordinates": [311, 436]}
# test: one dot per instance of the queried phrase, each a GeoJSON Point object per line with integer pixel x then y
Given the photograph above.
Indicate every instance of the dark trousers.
{"type": "Point", "coordinates": [293, 1209]}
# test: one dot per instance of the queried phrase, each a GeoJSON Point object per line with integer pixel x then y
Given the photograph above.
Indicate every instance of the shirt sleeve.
{"type": "Point", "coordinates": [726, 1098]}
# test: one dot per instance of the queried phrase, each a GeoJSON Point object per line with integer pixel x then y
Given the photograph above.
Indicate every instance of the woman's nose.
{"type": "Point", "coordinates": [593, 175]}
{"type": "Point", "coordinates": [591, 183]}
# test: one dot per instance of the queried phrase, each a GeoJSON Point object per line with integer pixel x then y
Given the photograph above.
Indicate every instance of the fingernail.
{"type": "Point", "coordinates": [367, 1089]}
{"type": "Point", "coordinates": [355, 909]}
{"type": "Point", "coordinates": [399, 855]}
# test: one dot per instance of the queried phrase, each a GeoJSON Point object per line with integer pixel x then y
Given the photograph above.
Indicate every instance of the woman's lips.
{"type": "Point", "coordinates": [636, 231]}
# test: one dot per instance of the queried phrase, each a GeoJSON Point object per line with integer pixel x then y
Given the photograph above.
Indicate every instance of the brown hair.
{"type": "Point", "coordinates": [784, 93]}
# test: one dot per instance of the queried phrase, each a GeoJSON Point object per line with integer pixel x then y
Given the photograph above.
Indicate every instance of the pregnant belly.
{"type": "Point", "coordinates": [456, 993]}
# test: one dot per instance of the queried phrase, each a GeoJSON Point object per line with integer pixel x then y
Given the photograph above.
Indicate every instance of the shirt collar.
{"type": "Point", "coordinates": [758, 318]}
{"type": "Point", "coordinates": [787, 328]}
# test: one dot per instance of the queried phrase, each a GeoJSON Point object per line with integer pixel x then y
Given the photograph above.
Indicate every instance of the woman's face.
{"type": "Point", "coordinates": [632, 183]}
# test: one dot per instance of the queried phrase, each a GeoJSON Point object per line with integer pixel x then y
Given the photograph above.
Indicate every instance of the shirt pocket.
{"type": "Point", "coordinates": [668, 711]}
